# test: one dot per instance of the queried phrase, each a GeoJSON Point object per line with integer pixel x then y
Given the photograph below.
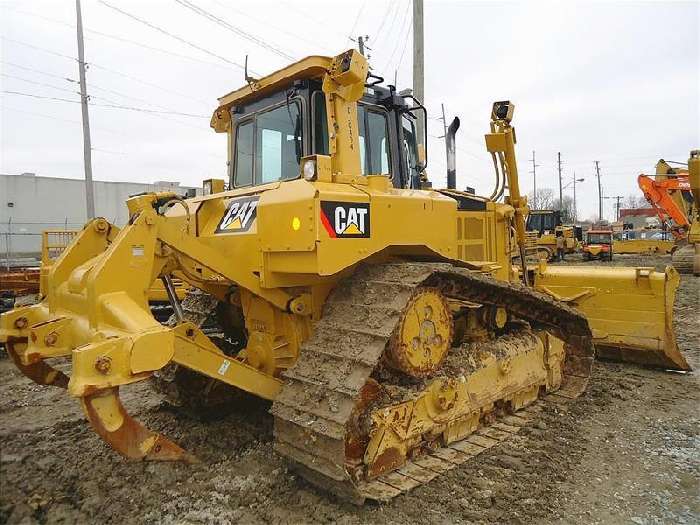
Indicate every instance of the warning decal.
{"type": "Point", "coordinates": [239, 216]}
{"type": "Point", "coordinates": [344, 220]}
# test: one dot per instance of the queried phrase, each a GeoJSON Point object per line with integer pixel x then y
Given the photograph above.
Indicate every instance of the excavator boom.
{"type": "Point", "coordinates": [657, 194]}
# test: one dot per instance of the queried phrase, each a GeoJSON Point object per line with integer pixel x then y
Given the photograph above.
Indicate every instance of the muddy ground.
{"type": "Point", "coordinates": [628, 451]}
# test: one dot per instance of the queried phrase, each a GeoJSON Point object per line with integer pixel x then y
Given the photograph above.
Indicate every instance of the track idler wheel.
{"type": "Point", "coordinates": [124, 434]}
{"type": "Point", "coordinates": [424, 334]}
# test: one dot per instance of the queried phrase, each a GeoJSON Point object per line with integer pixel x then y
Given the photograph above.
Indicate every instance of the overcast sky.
{"type": "Point", "coordinates": [617, 82]}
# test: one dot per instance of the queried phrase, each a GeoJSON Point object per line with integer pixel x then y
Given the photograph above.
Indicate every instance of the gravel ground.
{"type": "Point", "coordinates": [625, 452]}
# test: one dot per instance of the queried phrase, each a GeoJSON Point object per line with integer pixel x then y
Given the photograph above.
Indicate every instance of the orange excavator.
{"type": "Point", "coordinates": [660, 194]}
{"type": "Point", "coordinates": [675, 195]}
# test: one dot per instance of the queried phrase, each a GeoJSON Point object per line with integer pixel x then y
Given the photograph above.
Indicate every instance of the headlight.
{"type": "Point", "coordinates": [206, 188]}
{"type": "Point", "coordinates": [309, 170]}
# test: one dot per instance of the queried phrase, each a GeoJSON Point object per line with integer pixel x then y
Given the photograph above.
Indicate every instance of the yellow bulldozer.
{"type": "Point", "coordinates": [384, 320]}
{"type": "Point", "coordinates": [542, 227]}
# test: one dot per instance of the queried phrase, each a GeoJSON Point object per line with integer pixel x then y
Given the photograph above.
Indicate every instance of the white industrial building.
{"type": "Point", "coordinates": [30, 204]}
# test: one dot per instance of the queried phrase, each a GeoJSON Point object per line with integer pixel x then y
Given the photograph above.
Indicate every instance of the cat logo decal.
{"type": "Point", "coordinates": [239, 216]}
{"type": "Point", "coordinates": [346, 220]}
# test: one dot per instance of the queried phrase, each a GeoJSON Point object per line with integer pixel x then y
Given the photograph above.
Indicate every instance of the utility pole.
{"type": "Point", "coordinates": [534, 180]}
{"type": "Point", "coordinates": [418, 65]}
{"type": "Point", "coordinates": [561, 202]}
{"type": "Point", "coordinates": [617, 205]}
{"type": "Point", "coordinates": [361, 41]}
{"type": "Point", "coordinates": [444, 136]}
{"type": "Point", "coordinates": [87, 148]}
{"type": "Point", "coordinates": [600, 193]}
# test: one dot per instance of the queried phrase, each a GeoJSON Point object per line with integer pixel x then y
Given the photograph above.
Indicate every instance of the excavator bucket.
{"type": "Point", "coordinates": [629, 310]}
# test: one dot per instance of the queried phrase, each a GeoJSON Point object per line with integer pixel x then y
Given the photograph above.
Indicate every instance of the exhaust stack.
{"type": "Point", "coordinates": [450, 146]}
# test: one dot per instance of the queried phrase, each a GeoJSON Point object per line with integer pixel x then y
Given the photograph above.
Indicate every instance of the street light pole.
{"type": "Point", "coordinates": [574, 181]}
{"type": "Point", "coordinates": [575, 213]}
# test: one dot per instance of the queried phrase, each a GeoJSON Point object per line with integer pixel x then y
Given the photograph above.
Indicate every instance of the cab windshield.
{"type": "Point", "coordinates": [598, 238]}
{"type": "Point", "coordinates": [542, 222]}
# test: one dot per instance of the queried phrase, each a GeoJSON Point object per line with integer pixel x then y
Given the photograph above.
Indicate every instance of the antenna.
{"type": "Point", "coordinates": [248, 78]}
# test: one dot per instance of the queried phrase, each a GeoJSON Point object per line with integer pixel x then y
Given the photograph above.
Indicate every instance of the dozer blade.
{"type": "Point", "coordinates": [630, 310]}
{"type": "Point", "coordinates": [124, 434]}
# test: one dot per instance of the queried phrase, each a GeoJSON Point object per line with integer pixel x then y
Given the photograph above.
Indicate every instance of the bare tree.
{"type": "Point", "coordinates": [635, 201]}
{"type": "Point", "coordinates": [566, 208]}
{"type": "Point", "coordinates": [544, 201]}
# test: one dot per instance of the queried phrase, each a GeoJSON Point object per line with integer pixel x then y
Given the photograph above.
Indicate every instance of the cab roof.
{"type": "Point", "coordinates": [306, 68]}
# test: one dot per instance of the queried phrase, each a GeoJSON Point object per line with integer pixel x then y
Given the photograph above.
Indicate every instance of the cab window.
{"type": "Point", "coordinates": [244, 154]}
{"type": "Point", "coordinates": [373, 131]}
{"type": "Point", "coordinates": [378, 131]}
{"type": "Point", "coordinates": [275, 138]}
{"type": "Point", "coordinates": [409, 148]}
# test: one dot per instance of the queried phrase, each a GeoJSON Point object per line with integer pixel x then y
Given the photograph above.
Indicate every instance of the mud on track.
{"type": "Point", "coordinates": [628, 451]}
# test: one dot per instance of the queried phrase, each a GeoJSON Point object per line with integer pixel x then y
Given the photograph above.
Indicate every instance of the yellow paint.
{"type": "Point", "coordinates": [97, 290]}
{"type": "Point", "coordinates": [449, 409]}
{"type": "Point", "coordinates": [107, 409]}
{"type": "Point", "coordinates": [643, 246]}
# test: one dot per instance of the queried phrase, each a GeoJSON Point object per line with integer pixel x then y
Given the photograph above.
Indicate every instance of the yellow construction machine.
{"type": "Point", "coordinates": [643, 242]}
{"type": "Point", "coordinates": [382, 318]}
{"type": "Point", "coordinates": [542, 228]}
{"type": "Point", "coordinates": [694, 231]}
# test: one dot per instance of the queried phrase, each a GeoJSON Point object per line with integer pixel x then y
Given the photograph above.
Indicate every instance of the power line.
{"type": "Point", "coordinates": [113, 71]}
{"type": "Point", "coordinates": [357, 19]}
{"type": "Point", "coordinates": [398, 40]}
{"type": "Point", "coordinates": [385, 17]}
{"type": "Point", "coordinates": [93, 86]}
{"type": "Point", "coordinates": [312, 43]}
{"type": "Point", "coordinates": [38, 48]}
{"type": "Point", "coordinates": [120, 38]}
{"type": "Point", "coordinates": [145, 83]}
{"type": "Point", "coordinates": [403, 50]}
{"type": "Point", "coordinates": [38, 71]}
{"type": "Point", "coordinates": [107, 105]}
{"type": "Point", "coordinates": [38, 83]}
{"type": "Point", "coordinates": [236, 30]}
{"type": "Point", "coordinates": [153, 111]}
{"type": "Point", "coordinates": [171, 35]}
{"type": "Point", "coordinates": [8, 92]}
{"type": "Point", "coordinates": [51, 117]}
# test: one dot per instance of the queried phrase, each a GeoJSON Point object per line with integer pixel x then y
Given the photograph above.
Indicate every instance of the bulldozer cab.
{"type": "Point", "coordinates": [543, 221]}
{"type": "Point", "coordinates": [270, 136]}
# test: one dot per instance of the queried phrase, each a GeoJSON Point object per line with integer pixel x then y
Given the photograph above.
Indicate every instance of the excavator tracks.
{"type": "Point", "coordinates": [332, 389]}
{"type": "Point", "coordinates": [683, 259]}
